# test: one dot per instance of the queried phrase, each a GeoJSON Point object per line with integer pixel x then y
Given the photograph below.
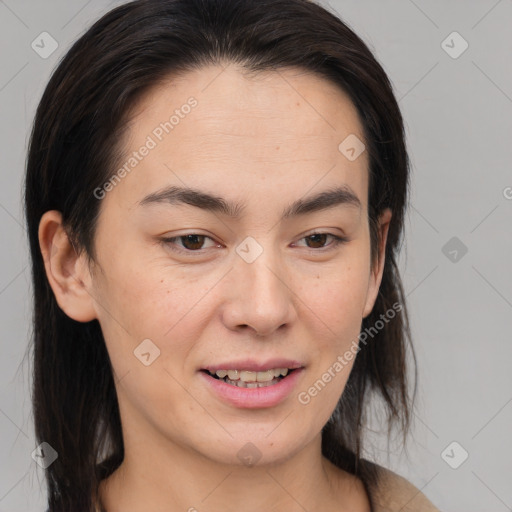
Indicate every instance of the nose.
{"type": "Point", "coordinates": [260, 296]}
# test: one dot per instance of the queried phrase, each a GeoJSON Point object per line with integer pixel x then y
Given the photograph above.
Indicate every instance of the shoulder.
{"type": "Point", "coordinates": [394, 493]}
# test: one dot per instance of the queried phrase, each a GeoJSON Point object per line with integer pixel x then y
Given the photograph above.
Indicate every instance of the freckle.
{"type": "Point", "coordinates": [277, 147]}
{"type": "Point", "coordinates": [298, 103]}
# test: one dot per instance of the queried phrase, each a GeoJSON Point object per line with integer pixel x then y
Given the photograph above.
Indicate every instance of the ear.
{"type": "Point", "coordinates": [67, 272]}
{"type": "Point", "coordinates": [378, 269]}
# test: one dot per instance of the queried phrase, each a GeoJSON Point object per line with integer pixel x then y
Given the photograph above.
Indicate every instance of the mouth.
{"type": "Point", "coordinates": [251, 379]}
{"type": "Point", "coordinates": [249, 384]}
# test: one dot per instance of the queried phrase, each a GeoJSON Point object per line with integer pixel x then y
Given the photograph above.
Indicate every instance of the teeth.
{"type": "Point", "coordinates": [233, 374]}
{"type": "Point", "coordinates": [252, 377]}
{"type": "Point", "coordinates": [248, 376]}
{"type": "Point", "coordinates": [242, 384]}
{"type": "Point", "coordinates": [265, 376]}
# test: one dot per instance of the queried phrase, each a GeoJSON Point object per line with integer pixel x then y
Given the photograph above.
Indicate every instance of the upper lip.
{"type": "Point", "coordinates": [254, 366]}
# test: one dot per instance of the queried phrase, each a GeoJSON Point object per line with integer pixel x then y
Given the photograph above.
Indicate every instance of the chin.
{"type": "Point", "coordinates": [265, 448]}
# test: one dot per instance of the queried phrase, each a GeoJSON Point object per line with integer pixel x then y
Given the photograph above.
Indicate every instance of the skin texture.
{"type": "Point", "coordinates": [267, 141]}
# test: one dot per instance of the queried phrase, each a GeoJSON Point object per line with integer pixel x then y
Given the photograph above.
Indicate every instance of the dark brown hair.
{"type": "Point", "coordinates": [74, 148]}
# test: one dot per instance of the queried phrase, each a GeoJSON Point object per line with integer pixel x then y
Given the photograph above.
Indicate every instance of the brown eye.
{"type": "Point", "coordinates": [193, 242]}
{"type": "Point", "coordinates": [318, 240]}
{"type": "Point", "coordinates": [190, 243]}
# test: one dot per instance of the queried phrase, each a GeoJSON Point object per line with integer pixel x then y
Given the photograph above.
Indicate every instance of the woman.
{"type": "Point", "coordinates": [215, 195]}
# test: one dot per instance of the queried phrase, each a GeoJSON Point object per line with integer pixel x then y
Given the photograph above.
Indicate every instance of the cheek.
{"type": "Point", "coordinates": [337, 305]}
{"type": "Point", "coordinates": [158, 301]}
{"type": "Point", "coordinates": [338, 300]}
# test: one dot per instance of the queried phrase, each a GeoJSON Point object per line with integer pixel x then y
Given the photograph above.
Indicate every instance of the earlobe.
{"type": "Point", "coordinates": [66, 271]}
{"type": "Point", "coordinates": [378, 269]}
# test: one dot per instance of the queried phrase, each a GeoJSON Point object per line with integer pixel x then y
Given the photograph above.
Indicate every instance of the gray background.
{"type": "Point", "coordinates": [458, 114]}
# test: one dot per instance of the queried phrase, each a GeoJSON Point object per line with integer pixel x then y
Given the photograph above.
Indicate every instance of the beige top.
{"type": "Point", "coordinates": [396, 494]}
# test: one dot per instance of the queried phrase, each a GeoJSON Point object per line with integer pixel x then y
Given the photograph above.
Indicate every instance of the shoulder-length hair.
{"type": "Point", "coordinates": [75, 145]}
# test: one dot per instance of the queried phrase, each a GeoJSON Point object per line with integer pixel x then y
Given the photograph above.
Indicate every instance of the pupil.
{"type": "Point", "coordinates": [189, 237]}
{"type": "Point", "coordinates": [317, 235]}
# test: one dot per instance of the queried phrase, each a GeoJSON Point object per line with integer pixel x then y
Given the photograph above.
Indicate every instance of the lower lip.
{"type": "Point", "coordinates": [253, 398]}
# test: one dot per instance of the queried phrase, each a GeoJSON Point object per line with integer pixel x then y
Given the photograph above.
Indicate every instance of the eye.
{"type": "Point", "coordinates": [191, 242]}
{"type": "Point", "coordinates": [318, 239]}
{"type": "Point", "coordinates": [194, 242]}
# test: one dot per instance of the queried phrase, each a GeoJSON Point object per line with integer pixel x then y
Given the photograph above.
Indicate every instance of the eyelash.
{"type": "Point", "coordinates": [338, 240]}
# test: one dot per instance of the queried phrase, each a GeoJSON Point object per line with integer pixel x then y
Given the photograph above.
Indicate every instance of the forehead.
{"type": "Point", "coordinates": [312, 103]}
{"type": "Point", "coordinates": [281, 127]}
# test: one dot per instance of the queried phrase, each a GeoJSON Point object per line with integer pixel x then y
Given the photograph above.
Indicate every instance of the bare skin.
{"type": "Point", "coordinates": [265, 141]}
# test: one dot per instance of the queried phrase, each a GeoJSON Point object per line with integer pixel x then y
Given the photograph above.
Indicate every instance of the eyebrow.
{"type": "Point", "coordinates": [339, 196]}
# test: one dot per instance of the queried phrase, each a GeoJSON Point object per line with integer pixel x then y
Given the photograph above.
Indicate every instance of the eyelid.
{"type": "Point", "coordinates": [169, 241]}
{"type": "Point", "coordinates": [338, 240]}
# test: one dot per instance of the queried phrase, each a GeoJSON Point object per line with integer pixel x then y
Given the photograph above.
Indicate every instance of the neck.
{"type": "Point", "coordinates": [175, 478]}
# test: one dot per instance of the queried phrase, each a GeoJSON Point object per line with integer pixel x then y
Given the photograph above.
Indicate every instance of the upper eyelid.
{"type": "Point", "coordinates": [340, 238]}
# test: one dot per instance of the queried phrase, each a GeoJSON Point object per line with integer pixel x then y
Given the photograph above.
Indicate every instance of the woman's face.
{"type": "Point", "coordinates": [250, 288]}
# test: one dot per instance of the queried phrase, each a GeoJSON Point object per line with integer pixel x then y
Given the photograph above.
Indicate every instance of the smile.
{"type": "Point", "coordinates": [243, 389]}
{"type": "Point", "coordinates": [250, 379]}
